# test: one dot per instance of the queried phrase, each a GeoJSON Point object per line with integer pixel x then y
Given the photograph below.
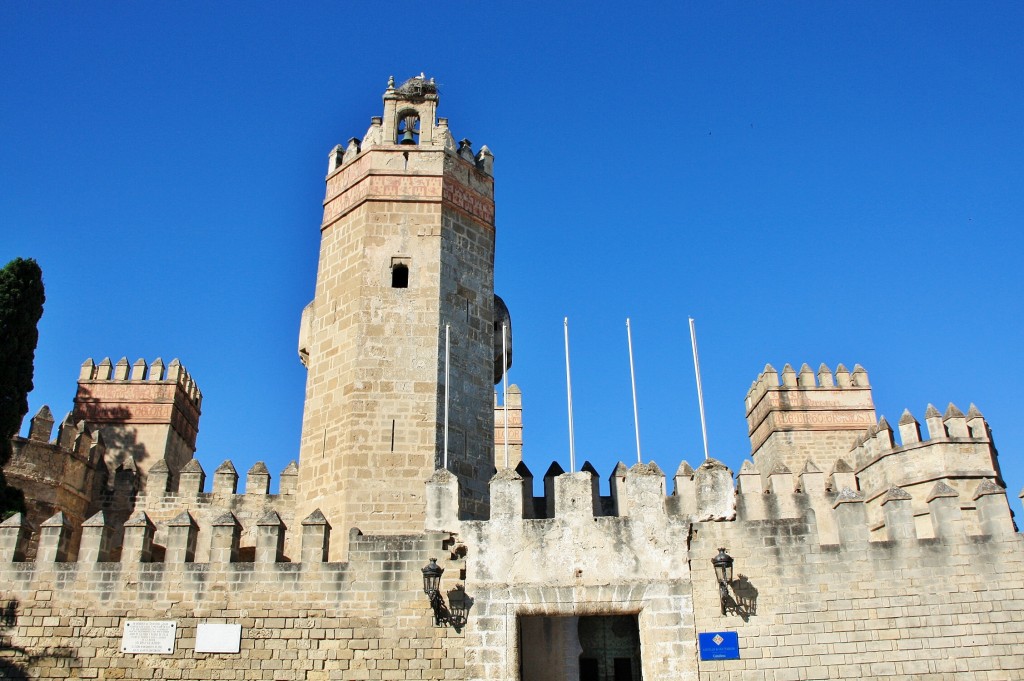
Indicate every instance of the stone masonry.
{"type": "Point", "coordinates": [860, 551]}
{"type": "Point", "coordinates": [406, 261]}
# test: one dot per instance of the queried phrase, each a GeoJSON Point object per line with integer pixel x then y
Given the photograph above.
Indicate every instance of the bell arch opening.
{"type": "Point", "coordinates": [408, 130]}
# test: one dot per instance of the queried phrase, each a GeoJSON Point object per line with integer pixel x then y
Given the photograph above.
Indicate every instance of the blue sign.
{"type": "Point", "coordinates": [719, 645]}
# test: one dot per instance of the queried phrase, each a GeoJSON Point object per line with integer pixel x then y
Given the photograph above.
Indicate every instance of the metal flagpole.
{"type": "Point", "coordinates": [568, 386]}
{"type": "Point", "coordinates": [632, 378]}
{"type": "Point", "coordinates": [447, 358]}
{"type": "Point", "coordinates": [504, 385]}
{"type": "Point", "coordinates": [700, 392]}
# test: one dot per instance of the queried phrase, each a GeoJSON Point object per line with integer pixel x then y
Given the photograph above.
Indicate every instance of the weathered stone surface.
{"type": "Point", "coordinates": [879, 572]}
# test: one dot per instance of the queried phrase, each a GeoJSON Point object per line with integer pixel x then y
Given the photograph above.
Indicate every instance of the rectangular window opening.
{"type": "Point", "coordinates": [399, 275]}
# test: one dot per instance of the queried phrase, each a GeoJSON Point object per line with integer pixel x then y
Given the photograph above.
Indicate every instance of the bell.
{"type": "Point", "coordinates": [408, 134]}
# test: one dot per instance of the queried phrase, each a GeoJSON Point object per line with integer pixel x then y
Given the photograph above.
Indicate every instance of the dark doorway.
{"type": "Point", "coordinates": [598, 648]}
{"type": "Point", "coordinates": [589, 669]}
{"type": "Point", "coordinates": [614, 641]}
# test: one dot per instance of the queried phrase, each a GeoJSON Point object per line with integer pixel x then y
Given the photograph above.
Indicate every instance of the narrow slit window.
{"type": "Point", "coordinates": [399, 275]}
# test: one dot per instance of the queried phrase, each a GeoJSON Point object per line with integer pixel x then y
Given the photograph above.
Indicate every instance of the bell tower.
{"type": "Point", "coordinates": [407, 248]}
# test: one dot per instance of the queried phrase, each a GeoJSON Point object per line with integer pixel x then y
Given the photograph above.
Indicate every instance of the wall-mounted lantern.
{"type": "Point", "coordinates": [459, 602]}
{"type": "Point", "coordinates": [431, 586]}
{"type": "Point", "coordinates": [723, 571]}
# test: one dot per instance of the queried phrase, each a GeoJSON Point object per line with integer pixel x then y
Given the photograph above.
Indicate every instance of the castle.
{"type": "Point", "coordinates": [833, 553]}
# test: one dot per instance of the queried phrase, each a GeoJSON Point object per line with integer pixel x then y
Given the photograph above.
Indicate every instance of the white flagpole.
{"type": "Point", "coordinates": [632, 378]}
{"type": "Point", "coordinates": [504, 385]}
{"type": "Point", "coordinates": [447, 374]}
{"type": "Point", "coordinates": [568, 386]}
{"type": "Point", "coordinates": [700, 392]}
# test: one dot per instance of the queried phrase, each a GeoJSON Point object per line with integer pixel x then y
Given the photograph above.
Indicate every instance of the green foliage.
{"type": "Point", "coordinates": [12, 500]}
{"type": "Point", "coordinates": [21, 306]}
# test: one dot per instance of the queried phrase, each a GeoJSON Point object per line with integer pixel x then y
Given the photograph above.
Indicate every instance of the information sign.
{"type": "Point", "coordinates": [218, 638]}
{"type": "Point", "coordinates": [719, 645]}
{"type": "Point", "coordinates": [155, 638]}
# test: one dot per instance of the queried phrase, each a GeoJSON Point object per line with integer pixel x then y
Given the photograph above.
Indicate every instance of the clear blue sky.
{"type": "Point", "coordinates": [814, 182]}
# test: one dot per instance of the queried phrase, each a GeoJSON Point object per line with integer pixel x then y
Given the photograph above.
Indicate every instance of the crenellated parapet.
{"type": "Point", "coordinates": [410, 119]}
{"type": "Point", "coordinates": [708, 494]}
{"type": "Point", "coordinates": [408, 137]}
{"type": "Point", "coordinates": [164, 502]}
{"type": "Point", "coordinates": [954, 448]}
{"type": "Point", "coordinates": [800, 415]}
{"type": "Point", "coordinates": [650, 557]}
{"type": "Point", "coordinates": [62, 472]}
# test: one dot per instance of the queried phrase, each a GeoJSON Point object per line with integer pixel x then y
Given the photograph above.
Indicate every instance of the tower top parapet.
{"type": "Point", "coordinates": [410, 123]}
{"type": "Point", "coordinates": [800, 414]}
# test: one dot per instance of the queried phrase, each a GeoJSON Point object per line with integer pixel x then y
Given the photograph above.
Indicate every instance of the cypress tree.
{"type": "Point", "coordinates": [21, 306]}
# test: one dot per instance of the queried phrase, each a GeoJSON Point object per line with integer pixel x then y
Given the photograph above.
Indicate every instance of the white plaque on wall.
{"type": "Point", "coordinates": [155, 638]}
{"type": "Point", "coordinates": [218, 638]}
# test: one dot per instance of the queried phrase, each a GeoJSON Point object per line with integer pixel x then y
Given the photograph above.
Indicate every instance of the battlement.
{"type": "Point", "coordinates": [799, 415]}
{"type": "Point", "coordinates": [652, 559]}
{"type": "Point", "coordinates": [64, 473]}
{"type": "Point", "coordinates": [957, 451]}
{"type": "Point", "coordinates": [708, 494]}
{"type": "Point", "coordinates": [164, 501]}
{"type": "Point", "coordinates": [138, 541]}
{"type": "Point", "coordinates": [223, 526]}
{"type": "Point", "coordinates": [173, 373]}
{"type": "Point", "coordinates": [410, 123]}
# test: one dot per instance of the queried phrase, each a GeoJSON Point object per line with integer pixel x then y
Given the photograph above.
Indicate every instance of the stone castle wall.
{"type": "Point", "coordinates": [818, 591]}
{"type": "Point", "coordinates": [147, 412]}
{"type": "Point", "coordinates": [813, 596]}
{"type": "Point", "coordinates": [855, 557]}
{"type": "Point", "coordinates": [364, 619]}
{"type": "Point", "coordinates": [65, 474]}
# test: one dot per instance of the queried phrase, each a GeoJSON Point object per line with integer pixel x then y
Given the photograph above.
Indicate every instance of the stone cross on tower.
{"type": "Point", "coordinates": [407, 247]}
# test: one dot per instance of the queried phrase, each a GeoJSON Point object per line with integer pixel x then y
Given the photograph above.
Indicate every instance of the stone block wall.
{"type": "Point", "coordinates": [514, 430]}
{"type": "Point", "coordinates": [375, 351]}
{"type": "Point", "coordinates": [364, 619]}
{"type": "Point", "coordinates": [944, 608]}
{"type": "Point", "coordinates": [814, 594]}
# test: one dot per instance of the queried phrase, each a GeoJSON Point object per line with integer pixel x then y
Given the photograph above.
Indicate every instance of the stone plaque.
{"type": "Point", "coordinates": [218, 638]}
{"type": "Point", "coordinates": [156, 638]}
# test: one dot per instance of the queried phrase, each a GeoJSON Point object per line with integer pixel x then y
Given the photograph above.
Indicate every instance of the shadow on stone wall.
{"type": "Point", "coordinates": [123, 440]}
{"type": "Point", "coordinates": [15, 661]}
{"type": "Point", "coordinates": [745, 602]}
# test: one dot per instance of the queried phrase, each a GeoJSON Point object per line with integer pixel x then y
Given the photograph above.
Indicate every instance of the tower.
{"type": "Point", "coordinates": [810, 416]}
{"type": "Point", "coordinates": [146, 412]}
{"type": "Point", "coordinates": [407, 247]}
